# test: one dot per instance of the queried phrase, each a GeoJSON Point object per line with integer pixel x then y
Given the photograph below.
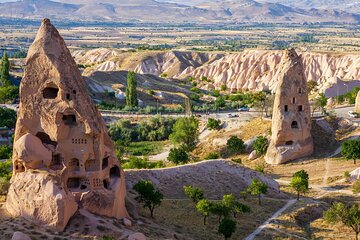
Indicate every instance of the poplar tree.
{"type": "Point", "coordinates": [5, 71]}
{"type": "Point", "coordinates": [131, 95]}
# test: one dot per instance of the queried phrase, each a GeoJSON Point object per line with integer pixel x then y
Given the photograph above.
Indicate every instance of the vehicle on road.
{"type": "Point", "coordinates": [230, 115]}
{"type": "Point", "coordinates": [244, 109]}
{"type": "Point", "coordinates": [353, 114]}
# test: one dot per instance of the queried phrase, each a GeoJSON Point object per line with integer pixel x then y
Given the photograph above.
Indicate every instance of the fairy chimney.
{"type": "Point", "coordinates": [63, 157]}
{"type": "Point", "coordinates": [291, 124]}
{"type": "Point", "coordinates": [357, 104]}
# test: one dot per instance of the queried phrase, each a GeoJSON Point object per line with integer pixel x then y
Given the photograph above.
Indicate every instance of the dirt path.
{"type": "Point", "coordinates": [273, 217]}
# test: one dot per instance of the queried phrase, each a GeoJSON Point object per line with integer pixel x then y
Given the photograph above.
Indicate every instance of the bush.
{"type": "Point", "coordinates": [195, 90]}
{"type": "Point", "coordinates": [4, 186]}
{"type": "Point", "coordinates": [213, 124]}
{"type": "Point", "coordinates": [212, 155]}
{"type": "Point", "coordinates": [235, 145]}
{"type": "Point", "coordinates": [260, 168]}
{"type": "Point", "coordinates": [141, 163]}
{"type": "Point", "coordinates": [194, 97]}
{"type": "Point", "coordinates": [178, 156]}
{"type": "Point", "coordinates": [356, 187]}
{"type": "Point", "coordinates": [7, 118]}
{"type": "Point", "coordinates": [223, 88]}
{"type": "Point", "coordinates": [8, 94]}
{"type": "Point", "coordinates": [261, 145]}
{"type": "Point", "coordinates": [6, 169]}
{"type": "Point", "coordinates": [5, 152]}
{"type": "Point", "coordinates": [194, 193]}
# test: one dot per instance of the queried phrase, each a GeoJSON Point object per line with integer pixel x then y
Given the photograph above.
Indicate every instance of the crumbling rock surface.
{"type": "Point", "coordinates": [357, 104]}
{"type": "Point", "coordinates": [291, 122]}
{"type": "Point", "coordinates": [63, 157]}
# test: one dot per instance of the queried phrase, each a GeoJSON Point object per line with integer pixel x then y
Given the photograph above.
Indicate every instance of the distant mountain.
{"type": "Point", "coordinates": [156, 11]}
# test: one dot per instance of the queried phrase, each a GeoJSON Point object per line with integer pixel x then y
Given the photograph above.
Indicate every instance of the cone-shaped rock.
{"type": "Point", "coordinates": [63, 157]}
{"type": "Point", "coordinates": [291, 123]}
{"type": "Point", "coordinates": [357, 104]}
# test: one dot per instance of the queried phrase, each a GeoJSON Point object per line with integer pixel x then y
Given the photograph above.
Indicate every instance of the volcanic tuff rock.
{"type": "Point", "coordinates": [251, 69]}
{"type": "Point", "coordinates": [63, 157]}
{"type": "Point", "coordinates": [357, 105]}
{"type": "Point", "coordinates": [291, 122]}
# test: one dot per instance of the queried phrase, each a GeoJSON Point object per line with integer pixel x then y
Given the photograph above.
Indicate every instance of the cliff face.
{"type": "Point", "coordinates": [251, 69]}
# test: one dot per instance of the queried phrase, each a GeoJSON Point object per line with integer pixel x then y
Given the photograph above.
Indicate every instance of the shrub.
{"type": "Point", "coordinates": [213, 124]}
{"type": "Point", "coordinates": [235, 145]}
{"type": "Point", "coordinates": [141, 163]}
{"type": "Point", "coordinates": [356, 187]}
{"type": "Point", "coordinates": [212, 155]}
{"type": "Point", "coordinates": [6, 169]}
{"type": "Point", "coordinates": [195, 90]}
{"type": "Point", "coordinates": [194, 97]}
{"type": "Point", "coordinates": [347, 176]}
{"type": "Point", "coordinates": [223, 88]}
{"type": "Point", "coordinates": [4, 185]}
{"type": "Point", "coordinates": [151, 92]}
{"type": "Point", "coordinates": [237, 160]}
{"type": "Point", "coordinates": [5, 152]}
{"type": "Point", "coordinates": [194, 193]}
{"type": "Point", "coordinates": [178, 156]}
{"type": "Point", "coordinates": [7, 117]}
{"type": "Point", "coordinates": [260, 168]}
{"type": "Point", "coordinates": [261, 145]}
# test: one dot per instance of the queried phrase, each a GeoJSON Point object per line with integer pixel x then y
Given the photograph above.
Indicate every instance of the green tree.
{"type": "Point", "coordinates": [131, 94]}
{"type": "Point", "coordinates": [178, 156]}
{"type": "Point", "coordinates": [261, 145]}
{"type": "Point", "coordinates": [298, 184]}
{"type": "Point", "coordinates": [347, 215]}
{"type": "Point", "coordinates": [256, 188]}
{"type": "Point", "coordinates": [220, 102]}
{"type": "Point", "coordinates": [351, 149]}
{"type": "Point", "coordinates": [8, 93]}
{"type": "Point", "coordinates": [213, 124]}
{"type": "Point", "coordinates": [311, 85]}
{"type": "Point", "coordinates": [219, 209]}
{"type": "Point", "coordinates": [227, 227]}
{"type": "Point", "coordinates": [194, 193]}
{"type": "Point", "coordinates": [235, 145]}
{"type": "Point", "coordinates": [321, 102]}
{"type": "Point", "coordinates": [6, 169]}
{"type": "Point", "coordinates": [204, 207]}
{"type": "Point", "coordinates": [5, 152]}
{"type": "Point", "coordinates": [186, 132]}
{"type": "Point", "coordinates": [5, 71]}
{"type": "Point", "coordinates": [235, 206]}
{"type": "Point", "coordinates": [147, 195]}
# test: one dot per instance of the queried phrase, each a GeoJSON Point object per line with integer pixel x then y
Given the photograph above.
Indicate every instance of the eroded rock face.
{"type": "Point", "coordinates": [357, 104]}
{"type": "Point", "coordinates": [291, 123]}
{"type": "Point", "coordinates": [63, 157]}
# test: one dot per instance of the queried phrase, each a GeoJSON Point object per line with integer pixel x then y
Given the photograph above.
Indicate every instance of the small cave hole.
{"type": "Point", "coordinates": [286, 108]}
{"type": "Point", "coordinates": [294, 124]}
{"type": "Point", "coordinates": [50, 93]}
{"type": "Point", "coordinates": [115, 172]}
{"type": "Point", "coordinates": [106, 184]}
{"type": "Point", "coordinates": [73, 183]}
{"type": "Point", "coordinates": [289, 143]}
{"type": "Point", "coordinates": [68, 96]}
{"type": "Point", "coordinates": [300, 108]}
{"type": "Point", "coordinates": [56, 162]}
{"type": "Point", "coordinates": [83, 187]}
{"type": "Point", "coordinates": [69, 120]}
{"type": "Point", "coordinates": [294, 100]}
{"type": "Point", "coordinates": [45, 139]}
{"type": "Point", "coordinates": [105, 163]}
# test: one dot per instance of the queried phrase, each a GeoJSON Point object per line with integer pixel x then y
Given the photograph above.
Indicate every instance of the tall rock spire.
{"type": "Point", "coordinates": [291, 123]}
{"type": "Point", "coordinates": [63, 157]}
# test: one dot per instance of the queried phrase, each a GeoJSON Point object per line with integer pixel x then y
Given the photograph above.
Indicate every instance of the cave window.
{"type": "Point", "coordinates": [106, 184]}
{"type": "Point", "coordinates": [289, 143]}
{"type": "Point", "coordinates": [91, 165]}
{"type": "Point", "coordinates": [115, 172]}
{"type": "Point", "coordinates": [56, 162]}
{"type": "Point", "coordinates": [294, 124]}
{"type": "Point", "coordinates": [45, 139]}
{"type": "Point", "coordinates": [286, 108]}
{"type": "Point", "coordinates": [50, 93]}
{"type": "Point", "coordinates": [74, 164]}
{"type": "Point", "coordinates": [300, 90]}
{"type": "Point", "coordinates": [68, 96]}
{"type": "Point", "coordinates": [73, 183]}
{"type": "Point", "coordinates": [83, 187]}
{"type": "Point", "coordinates": [74, 92]}
{"type": "Point", "coordinates": [105, 163]}
{"type": "Point", "coordinates": [69, 120]}
{"type": "Point", "coordinates": [300, 108]}
{"type": "Point", "coordinates": [294, 100]}
{"type": "Point", "coordinates": [19, 167]}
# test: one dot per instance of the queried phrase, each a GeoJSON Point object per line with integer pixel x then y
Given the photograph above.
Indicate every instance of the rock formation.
{"type": "Point", "coordinates": [291, 123]}
{"type": "Point", "coordinates": [357, 104]}
{"type": "Point", "coordinates": [251, 69]}
{"type": "Point", "coordinates": [63, 157]}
